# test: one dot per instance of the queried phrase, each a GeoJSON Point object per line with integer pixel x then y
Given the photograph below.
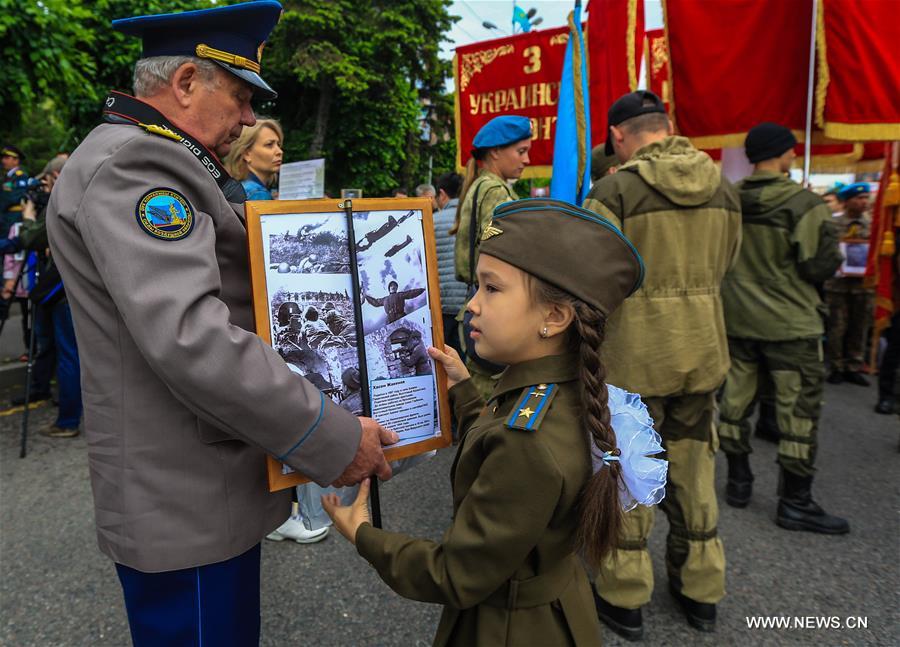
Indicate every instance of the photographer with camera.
{"type": "Point", "coordinates": [53, 328]}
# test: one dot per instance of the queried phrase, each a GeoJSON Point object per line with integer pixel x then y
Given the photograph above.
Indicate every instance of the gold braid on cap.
{"type": "Point", "coordinates": [205, 51]}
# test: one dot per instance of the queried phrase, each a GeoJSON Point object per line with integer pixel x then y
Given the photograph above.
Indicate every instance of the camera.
{"type": "Point", "coordinates": [36, 192]}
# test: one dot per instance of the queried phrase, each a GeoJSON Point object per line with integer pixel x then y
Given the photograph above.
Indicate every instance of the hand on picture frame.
{"type": "Point", "coordinates": [369, 457]}
{"type": "Point", "coordinates": [449, 358]}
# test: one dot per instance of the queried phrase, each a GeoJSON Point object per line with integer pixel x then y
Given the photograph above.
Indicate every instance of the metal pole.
{"type": "Point", "coordinates": [347, 206]}
{"type": "Point", "coordinates": [810, 86]}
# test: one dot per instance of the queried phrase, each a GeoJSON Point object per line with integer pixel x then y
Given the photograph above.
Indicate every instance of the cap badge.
{"type": "Point", "coordinates": [491, 231]}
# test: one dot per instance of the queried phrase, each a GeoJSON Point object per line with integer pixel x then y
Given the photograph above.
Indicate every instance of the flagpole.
{"type": "Point", "coordinates": [807, 142]}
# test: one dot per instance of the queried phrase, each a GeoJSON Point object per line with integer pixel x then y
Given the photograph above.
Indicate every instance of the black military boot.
{"type": "Point", "coordinates": [798, 511]}
{"type": "Point", "coordinates": [855, 377]}
{"type": "Point", "coordinates": [885, 406]}
{"type": "Point", "coordinates": [628, 623]}
{"type": "Point", "coordinates": [739, 487]}
{"type": "Point", "coordinates": [700, 615]}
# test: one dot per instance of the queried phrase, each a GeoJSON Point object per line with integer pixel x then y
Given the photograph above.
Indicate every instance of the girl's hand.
{"type": "Point", "coordinates": [449, 358]}
{"type": "Point", "coordinates": [348, 519]}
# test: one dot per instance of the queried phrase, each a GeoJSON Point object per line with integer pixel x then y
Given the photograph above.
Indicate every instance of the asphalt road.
{"type": "Point", "coordinates": [57, 589]}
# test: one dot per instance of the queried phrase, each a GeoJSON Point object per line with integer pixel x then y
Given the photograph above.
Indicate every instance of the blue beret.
{"type": "Point", "coordinates": [853, 190]}
{"type": "Point", "coordinates": [233, 36]}
{"type": "Point", "coordinates": [502, 131]}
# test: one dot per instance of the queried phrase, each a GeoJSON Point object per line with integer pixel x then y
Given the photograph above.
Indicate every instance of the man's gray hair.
{"type": "Point", "coordinates": [422, 189]}
{"type": "Point", "coordinates": [152, 74]}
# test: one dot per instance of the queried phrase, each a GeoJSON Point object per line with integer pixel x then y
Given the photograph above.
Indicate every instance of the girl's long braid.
{"type": "Point", "coordinates": [600, 512]}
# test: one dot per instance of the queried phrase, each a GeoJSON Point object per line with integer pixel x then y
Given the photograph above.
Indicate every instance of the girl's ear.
{"type": "Point", "coordinates": [557, 318]}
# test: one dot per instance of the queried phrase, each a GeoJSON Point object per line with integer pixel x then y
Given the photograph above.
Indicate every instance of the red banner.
{"type": "Point", "coordinates": [736, 63]}
{"type": "Point", "coordinates": [520, 75]}
{"type": "Point", "coordinates": [882, 262]}
{"type": "Point", "coordinates": [514, 75]}
{"type": "Point", "coordinates": [615, 44]}
{"type": "Point", "coordinates": [858, 87]}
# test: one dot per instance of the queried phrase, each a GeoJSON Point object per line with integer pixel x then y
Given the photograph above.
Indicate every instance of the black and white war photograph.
{"type": "Point", "coordinates": [312, 243]}
{"type": "Point", "coordinates": [313, 329]}
{"type": "Point", "coordinates": [392, 276]}
{"type": "Point", "coordinates": [397, 322]}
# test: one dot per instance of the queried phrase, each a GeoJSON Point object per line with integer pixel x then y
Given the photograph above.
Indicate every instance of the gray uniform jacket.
{"type": "Point", "coordinates": [182, 400]}
{"type": "Point", "coordinates": [453, 292]}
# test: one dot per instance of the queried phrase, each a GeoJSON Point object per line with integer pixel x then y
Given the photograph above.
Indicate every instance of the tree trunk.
{"type": "Point", "coordinates": [326, 92]}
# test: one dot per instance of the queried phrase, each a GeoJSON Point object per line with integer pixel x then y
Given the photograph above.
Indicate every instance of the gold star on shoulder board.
{"type": "Point", "coordinates": [526, 413]}
{"type": "Point", "coordinates": [490, 231]}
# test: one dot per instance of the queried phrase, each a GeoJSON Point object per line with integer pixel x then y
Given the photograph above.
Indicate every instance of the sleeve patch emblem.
{"type": "Point", "coordinates": [165, 214]}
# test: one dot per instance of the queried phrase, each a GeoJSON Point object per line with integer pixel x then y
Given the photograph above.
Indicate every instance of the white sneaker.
{"type": "Point", "coordinates": [294, 529]}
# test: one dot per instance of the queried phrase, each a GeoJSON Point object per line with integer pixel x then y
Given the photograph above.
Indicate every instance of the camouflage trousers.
{"type": "Point", "coordinates": [849, 317]}
{"type": "Point", "coordinates": [695, 556]}
{"type": "Point", "coordinates": [797, 372]}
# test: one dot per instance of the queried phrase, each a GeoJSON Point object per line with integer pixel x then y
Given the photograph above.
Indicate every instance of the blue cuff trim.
{"type": "Point", "coordinates": [311, 429]}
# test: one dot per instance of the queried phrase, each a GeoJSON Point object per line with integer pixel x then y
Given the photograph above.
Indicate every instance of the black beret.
{"type": "Point", "coordinates": [768, 140]}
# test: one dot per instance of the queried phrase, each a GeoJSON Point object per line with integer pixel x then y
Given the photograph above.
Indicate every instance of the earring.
{"type": "Point", "coordinates": [544, 333]}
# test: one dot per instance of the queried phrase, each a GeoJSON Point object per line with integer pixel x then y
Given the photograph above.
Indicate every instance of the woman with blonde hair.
{"type": "Point", "coordinates": [255, 158]}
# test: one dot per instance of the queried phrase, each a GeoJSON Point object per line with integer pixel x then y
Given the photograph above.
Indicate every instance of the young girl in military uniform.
{"type": "Point", "coordinates": [539, 474]}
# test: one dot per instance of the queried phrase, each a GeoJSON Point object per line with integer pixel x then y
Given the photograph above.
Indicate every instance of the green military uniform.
{"type": "Point", "coordinates": [490, 191]}
{"type": "Point", "coordinates": [504, 570]}
{"type": "Point", "coordinates": [668, 344]}
{"type": "Point", "coordinates": [849, 307]}
{"type": "Point", "coordinates": [773, 315]}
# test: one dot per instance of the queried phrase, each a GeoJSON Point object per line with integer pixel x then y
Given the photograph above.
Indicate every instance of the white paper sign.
{"type": "Point", "coordinates": [302, 180]}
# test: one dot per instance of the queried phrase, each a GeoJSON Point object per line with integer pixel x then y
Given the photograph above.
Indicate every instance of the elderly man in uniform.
{"type": "Point", "coordinates": [849, 300]}
{"type": "Point", "coordinates": [774, 327]}
{"type": "Point", "coordinates": [667, 342]}
{"type": "Point", "coordinates": [182, 400]}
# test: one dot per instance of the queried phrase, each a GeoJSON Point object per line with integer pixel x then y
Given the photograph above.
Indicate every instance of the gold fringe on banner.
{"type": "Point", "coordinates": [671, 71]}
{"type": "Point", "coordinates": [862, 132]}
{"type": "Point", "coordinates": [629, 43]}
{"type": "Point", "coordinates": [460, 167]}
{"type": "Point", "coordinates": [823, 76]}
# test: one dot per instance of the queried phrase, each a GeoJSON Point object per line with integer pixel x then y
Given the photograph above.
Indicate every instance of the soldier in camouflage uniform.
{"type": "Point", "coordinates": [849, 301]}
{"type": "Point", "coordinates": [775, 328]}
{"type": "Point", "coordinates": [501, 149]}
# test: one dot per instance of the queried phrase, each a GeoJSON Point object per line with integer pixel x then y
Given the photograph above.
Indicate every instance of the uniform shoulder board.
{"type": "Point", "coordinates": [531, 407]}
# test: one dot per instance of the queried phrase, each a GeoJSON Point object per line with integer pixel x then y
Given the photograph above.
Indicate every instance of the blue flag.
{"type": "Point", "coordinates": [572, 146]}
{"type": "Point", "coordinates": [521, 18]}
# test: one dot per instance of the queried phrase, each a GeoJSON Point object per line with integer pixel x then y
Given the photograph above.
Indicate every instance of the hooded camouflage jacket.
{"type": "Point", "coordinates": [672, 202]}
{"type": "Point", "coordinates": [789, 245]}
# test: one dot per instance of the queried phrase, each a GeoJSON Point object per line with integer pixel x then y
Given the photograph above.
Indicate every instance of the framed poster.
{"type": "Point", "coordinates": [347, 292]}
{"type": "Point", "coordinates": [855, 253]}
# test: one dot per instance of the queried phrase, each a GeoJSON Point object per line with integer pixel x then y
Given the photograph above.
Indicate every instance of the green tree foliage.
{"type": "Point", "coordinates": [353, 77]}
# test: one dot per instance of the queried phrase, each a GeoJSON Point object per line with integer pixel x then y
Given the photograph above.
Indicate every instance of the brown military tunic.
{"type": "Point", "coordinates": [504, 570]}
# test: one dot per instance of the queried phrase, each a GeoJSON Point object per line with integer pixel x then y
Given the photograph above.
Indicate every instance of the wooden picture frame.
{"type": "Point", "coordinates": [289, 292]}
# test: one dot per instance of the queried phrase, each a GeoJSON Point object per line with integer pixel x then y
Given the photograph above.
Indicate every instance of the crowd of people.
{"type": "Point", "coordinates": [669, 283]}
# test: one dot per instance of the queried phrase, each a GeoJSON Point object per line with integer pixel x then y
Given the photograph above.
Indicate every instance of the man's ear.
{"type": "Point", "coordinates": [184, 83]}
{"type": "Point", "coordinates": [617, 133]}
{"type": "Point", "coordinates": [671, 128]}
